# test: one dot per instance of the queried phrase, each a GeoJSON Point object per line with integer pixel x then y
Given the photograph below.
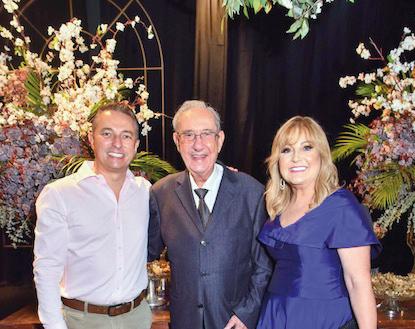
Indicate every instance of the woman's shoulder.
{"type": "Point", "coordinates": [339, 199]}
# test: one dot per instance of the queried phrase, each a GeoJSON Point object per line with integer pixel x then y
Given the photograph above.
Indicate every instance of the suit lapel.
{"type": "Point", "coordinates": [228, 190]}
{"type": "Point", "coordinates": [185, 196]}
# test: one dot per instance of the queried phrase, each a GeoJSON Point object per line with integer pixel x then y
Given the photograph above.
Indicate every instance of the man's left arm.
{"type": "Point", "coordinates": [247, 310]}
{"type": "Point", "coordinates": [155, 242]}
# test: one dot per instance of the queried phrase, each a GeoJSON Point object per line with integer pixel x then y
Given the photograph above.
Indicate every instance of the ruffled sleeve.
{"type": "Point", "coordinates": [351, 225]}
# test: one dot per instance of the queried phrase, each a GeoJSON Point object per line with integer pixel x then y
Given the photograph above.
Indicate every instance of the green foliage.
{"type": "Point", "coordinates": [351, 141]}
{"type": "Point", "coordinates": [153, 167]}
{"type": "Point", "coordinates": [386, 183]}
{"type": "Point", "coordinates": [148, 164]}
{"type": "Point", "coordinates": [365, 90]}
{"type": "Point", "coordinates": [34, 99]}
{"type": "Point", "coordinates": [300, 10]}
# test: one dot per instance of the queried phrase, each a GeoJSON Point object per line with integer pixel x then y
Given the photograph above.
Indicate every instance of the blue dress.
{"type": "Point", "coordinates": [307, 289]}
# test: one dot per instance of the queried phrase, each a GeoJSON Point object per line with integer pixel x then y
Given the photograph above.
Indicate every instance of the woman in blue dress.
{"type": "Point", "coordinates": [319, 236]}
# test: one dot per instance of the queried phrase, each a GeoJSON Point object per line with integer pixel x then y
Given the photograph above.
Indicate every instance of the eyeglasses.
{"type": "Point", "coordinates": [189, 136]}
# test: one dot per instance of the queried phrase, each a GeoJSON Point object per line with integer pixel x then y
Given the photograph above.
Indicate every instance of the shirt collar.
{"type": "Point", "coordinates": [211, 181]}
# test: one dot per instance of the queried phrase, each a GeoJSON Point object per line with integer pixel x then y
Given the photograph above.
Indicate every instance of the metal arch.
{"type": "Point", "coordinates": [145, 68]}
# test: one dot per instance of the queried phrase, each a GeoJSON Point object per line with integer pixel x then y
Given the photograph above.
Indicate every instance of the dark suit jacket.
{"type": "Point", "coordinates": [219, 271]}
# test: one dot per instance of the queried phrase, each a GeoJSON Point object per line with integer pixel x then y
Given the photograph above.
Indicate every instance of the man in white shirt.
{"type": "Point", "coordinates": [91, 235]}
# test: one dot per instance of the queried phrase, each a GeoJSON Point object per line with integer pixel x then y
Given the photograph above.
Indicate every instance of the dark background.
{"type": "Point", "coordinates": [270, 78]}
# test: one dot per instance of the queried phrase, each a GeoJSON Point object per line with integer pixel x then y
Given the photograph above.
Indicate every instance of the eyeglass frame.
{"type": "Point", "coordinates": [203, 135]}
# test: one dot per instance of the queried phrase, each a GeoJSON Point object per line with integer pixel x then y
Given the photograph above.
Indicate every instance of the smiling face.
{"type": "Point", "coordinates": [200, 154]}
{"type": "Point", "coordinates": [300, 162]}
{"type": "Point", "coordinates": [114, 141]}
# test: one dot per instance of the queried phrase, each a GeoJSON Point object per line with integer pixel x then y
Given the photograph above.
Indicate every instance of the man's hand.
{"type": "Point", "coordinates": [235, 323]}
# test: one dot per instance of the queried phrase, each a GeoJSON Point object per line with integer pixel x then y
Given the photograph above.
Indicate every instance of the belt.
{"type": "Point", "coordinates": [112, 310]}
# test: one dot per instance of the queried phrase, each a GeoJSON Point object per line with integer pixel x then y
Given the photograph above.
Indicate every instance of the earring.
{"type": "Point", "coordinates": [282, 184]}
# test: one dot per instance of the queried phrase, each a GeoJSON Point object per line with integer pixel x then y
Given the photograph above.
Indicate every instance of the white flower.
{"type": "Point", "coordinates": [119, 26]}
{"type": "Point", "coordinates": [19, 42]}
{"type": "Point", "coordinates": [286, 3]}
{"type": "Point", "coordinates": [406, 30]}
{"type": "Point", "coordinates": [379, 73]}
{"type": "Point", "coordinates": [110, 45]}
{"type": "Point", "coordinates": [65, 71]}
{"type": "Point", "coordinates": [150, 34]}
{"type": "Point", "coordinates": [5, 33]}
{"type": "Point", "coordinates": [137, 19]}
{"type": "Point", "coordinates": [86, 68]}
{"type": "Point", "coordinates": [347, 80]}
{"type": "Point", "coordinates": [369, 77]}
{"type": "Point", "coordinates": [104, 27]}
{"type": "Point", "coordinates": [362, 51]}
{"type": "Point", "coordinates": [14, 22]}
{"type": "Point", "coordinates": [111, 92]}
{"type": "Point", "coordinates": [129, 83]}
{"type": "Point", "coordinates": [51, 30]}
{"type": "Point", "coordinates": [10, 5]}
{"type": "Point", "coordinates": [66, 55]}
{"type": "Point", "coordinates": [397, 105]}
{"type": "Point", "coordinates": [408, 43]}
{"type": "Point", "coordinates": [83, 49]}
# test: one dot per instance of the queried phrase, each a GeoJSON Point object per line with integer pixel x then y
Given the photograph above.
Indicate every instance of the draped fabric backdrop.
{"type": "Point", "coordinates": [210, 53]}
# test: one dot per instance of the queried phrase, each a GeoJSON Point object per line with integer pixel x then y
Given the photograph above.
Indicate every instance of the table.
{"type": "Point", "coordinates": [26, 318]}
{"type": "Point", "coordinates": [405, 320]}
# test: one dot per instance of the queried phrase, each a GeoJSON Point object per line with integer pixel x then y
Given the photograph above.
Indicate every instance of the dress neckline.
{"type": "Point", "coordinates": [300, 219]}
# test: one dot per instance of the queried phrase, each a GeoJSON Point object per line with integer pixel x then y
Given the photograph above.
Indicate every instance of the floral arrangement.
{"type": "Point", "coordinates": [389, 284]}
{"type": "Point", "coordinates": [384, 150]}
{"type": "Point", "coordinates": [45, 109]}
{"type": "Point", "coordinates": [299, 10]}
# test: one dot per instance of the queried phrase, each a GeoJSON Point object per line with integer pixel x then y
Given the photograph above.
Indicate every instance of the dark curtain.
{"type": "Point", "coordinates": [210, 53]}
{"type": "Point", "coordinates": [175, 21]}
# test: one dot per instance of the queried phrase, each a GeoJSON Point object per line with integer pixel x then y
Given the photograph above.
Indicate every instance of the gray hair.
{"type": "Point", "coordinates": [195, 104]}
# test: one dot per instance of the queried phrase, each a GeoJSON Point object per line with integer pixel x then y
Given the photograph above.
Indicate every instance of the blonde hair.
{"type": "Point", "coordinates": [327, 180]}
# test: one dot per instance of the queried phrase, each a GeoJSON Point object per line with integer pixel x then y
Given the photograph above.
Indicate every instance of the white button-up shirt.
{"type": "Point", "coordinates": [88, 245]}
{"type": "Point", "coordinates": [212, 184]}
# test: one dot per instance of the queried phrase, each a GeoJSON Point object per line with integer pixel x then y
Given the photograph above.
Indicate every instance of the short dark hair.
{"type": "Point", "coordinates": [121, 107]}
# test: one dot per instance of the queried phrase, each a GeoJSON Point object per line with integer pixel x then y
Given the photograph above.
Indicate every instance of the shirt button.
{"type": "Point", "coordinates": [203, 243]}
{"type": "Point", "coordinates": [203, 274]}
{"type": "Point", "coordinates": [200, 306]}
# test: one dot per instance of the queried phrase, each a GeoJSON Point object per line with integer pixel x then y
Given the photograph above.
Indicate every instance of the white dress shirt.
{"type": "Point", "coordinates": [88, 246]}
{"type": "Point", "coordinates": [212, 184]}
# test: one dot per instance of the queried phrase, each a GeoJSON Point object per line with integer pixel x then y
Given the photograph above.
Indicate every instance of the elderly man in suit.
{"type": "Point", "coordinates": [208, 217]}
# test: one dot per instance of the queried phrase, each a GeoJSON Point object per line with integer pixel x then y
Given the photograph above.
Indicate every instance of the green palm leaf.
{"type": "Point", "coordinates": [365, 90]}
{"type": "Point", "coordinates": [388, 185]}
{"type": "Point", "coordinates": [149, 164]}
{"type": "Point", "coordinates": [34, 99]}
{"type": "Point", "coordinates": [354, 140]}
{"type": "Point", "coordinates": [72, 163]}
{"type": "Point", "coordinates": [154, 167]}
{"type": "Point", "coordinates": [392, 180]}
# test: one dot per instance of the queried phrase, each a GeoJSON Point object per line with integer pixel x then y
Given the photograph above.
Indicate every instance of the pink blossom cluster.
{"type": "Point", "coordinates": [13, 90]}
